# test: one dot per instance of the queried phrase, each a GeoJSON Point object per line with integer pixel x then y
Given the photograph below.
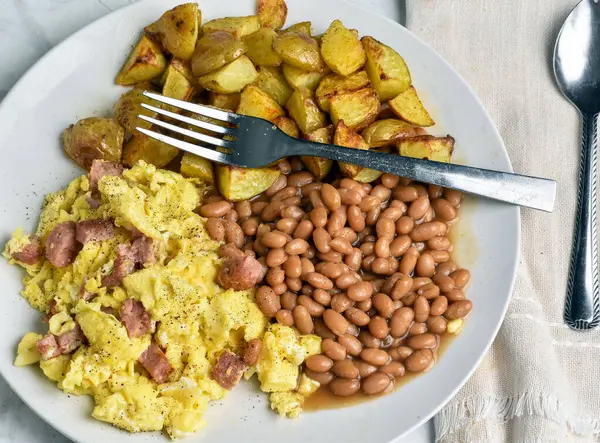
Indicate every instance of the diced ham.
{"type": "Point", "coordinates": [94, 230]}
{"type": "Point", "coordinates": [102, 168]}
{"type": "Point", "coordinates": [71, 340]}
{"type": "Point", "coordinates": [156, 363]}
{"type": "Point", "coordinates": [109, 310]}
{"type": "Point", "coordinates": [94, 201]}
{"type": "Point", "coordinates": [124, 265]}
{"type": "Point", "coordinates": [48, 347]}
{"type": "Point", "coordinates": [31, 252]}
{"type": "Point", "coordinates": [144, 248]}
{"type": "Point", "coordinates": [135, 318]}
{"type": "Point", "coordinates": [239, 273]}
{"type": "Point", "coordinates": [83, 293]}
{"type": "Point", "coordinates": [228, 370]}
{"type": "Point", "coordinates": [61, 245]}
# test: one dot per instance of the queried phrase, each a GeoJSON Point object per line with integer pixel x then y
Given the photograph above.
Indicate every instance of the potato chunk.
{"type": "Point", "coordinates": [228, 102]}
{"type": "Point", "coordinates": [386, 68]}
{"type": "Point", "coordinates": [176, 86]}
{"type": "Point", "coordinates": [288, 126]}
{"type": "Point", "coordinates": [177, 30]}
{"type": "Point", "coordinates": [260, 47]}
{"type": "Point", "coordinates": [305, 112]}
{"type": "Point", "coordinates": [345, 136]}
{"type": "Point", "coordinates": [238, 26]}
{"type": "Point", "coordinates": [299, 50]}
{"type": "Point", "coordinates": [145, 62]}
{"type": "Point", "coordinates": [358, 109]}
{"type": "Point", "coordinates": [271, 80]}
{"type": "Point", "coordinates": [193, 166]}
{"type": "Point", "coordinates": [142, 147]}
{"type": "Point", "coordinates": [272, 13]}
{"type": "Point", "coordinates": [342, 50]}
{"type": "Point", "coordinates": [128, 107]}
{"type": "Point", "coordinates": [319, 166]}
{"type": "Point", "coordinates": [215, 50]}
{"type": "Point", "coordinates": [230, 78]}
{"type": "Point", "coordinates": [243, 183]}
{"type": "Point", "coordinates": [438, 149]}
{"type": "Point", "coordinates": [300, 79]}
{"type": "Point", "coordinates": [408, 106]}
{"type": "Point", "coordinates": [302, 27]}
{"type": "Point", "coordinates": [387, 132]}
{"type": "Point", "coordinates": [93, 138]}
{"type": "Point", "coordinates": [333, 85]}
{"type": "Point", "coordinates": [257, 103]}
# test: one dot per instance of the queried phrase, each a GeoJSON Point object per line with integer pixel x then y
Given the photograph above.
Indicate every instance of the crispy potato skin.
{"type": "Point", "coordinates": [238, 26]}
{"type": "Point", "coordinates": [272, 13]}
{"type": "Point", "coordinates": [93, 138]}
{"type": "Point", "coordinates": [387, 70]}
{"type": "Point", "coordinates": [142, 147]}
{"type": "Point", "coordinates": [231, 78]}
{"type": "Point", "coordinates": [300, 79]}
{"type": "Point", "coordinates": [193, 166]}
{"type": "Point", "coordinates": [305, 112]}
{"type": "Point", "coordinates": [288, 126]}
{"type": "Point", "coordinates": [228, 102]}
{"type": "Point", "coordinates": [128, 107]}
{"type": "Point", "coordinates": [409, 107]}
{"type": "Point", "coordinates": [357, 109]}
{"type": "Point", "coordinates": [271, 80]}
{"type": "Point", "coordinates": [215, 50]}
{"type": "Point", "coordinates": [299, 50]}
{"type": "Point", "coordinates": [145, 62]}
{"type": "Point", "coordinates": [260, 47]}
{"type": "Point", "coordinates": [333, 85]}
{"type": "Point", "coordinates": [345, 136]}
{"type": "Point", "coordinates": [438, 149]}
{"type": "Point", "coordinates": [320, 167]}
{"type": "Point", "coordinates": [237, 184]}
{"type": "Point", "coordinates": [177, 30]}
{"type": "Point", "coordinates": [342, 50]}
{"type": "Point", "coordinates": [257, 103]}
{"type": "Point", "coordinates": [387, 132]}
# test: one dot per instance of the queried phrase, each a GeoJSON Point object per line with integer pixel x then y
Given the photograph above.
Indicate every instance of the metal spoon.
{"type": "Point", "coordinates": [577, 71]}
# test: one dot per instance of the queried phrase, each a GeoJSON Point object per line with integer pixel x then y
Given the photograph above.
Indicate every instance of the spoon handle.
{"type": "Point", "coordinates": [582, 309]}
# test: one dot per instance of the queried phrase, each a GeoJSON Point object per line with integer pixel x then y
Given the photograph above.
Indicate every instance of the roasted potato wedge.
{"type": "Point", "coordinates": [345, 136]}
{"type": "Point", "coordinates": [299, 79]}
{"type": "Point", "coordinates": [142, 147]}
{"type": "Point", "coordinates": [228, 102]}
{"type": "Point", "coordinates": [408, 106]}
{"type": "Point", "coordinates": [272, 81]}
{"type": "Point", "coordinates": [215, 50]}
{"type": "Point", "coordinates": [260, 47]}
{"type": "Point", "coordinates": [334, 84]}
{"type": "Point", "coordinates": [305, 112]}
{"type": "Point", "coordinates": [185, 68]}
{"type": "Point", "coordinates": [288, 126]}
{"type": "Point", "coordinates": [230, 78]}
{"type": "Point", "coordinates": [320, 167]}
{"type": "Point", "coordinates": [302, 27]}
{"type": "Point", "coordinates": [128, 107]}
{"type": "Point", "coordinates": [93, 138]}
{"type": "Point", "coordinates": [358, 109]}
{"type": "Point", "coordinates": [299, 50]}
{"type": "Point", "coordinates": [386, 68]}
{"type": "Point", "coordinates": [342, 50]}
{"type": "Point", "coordinates": [387, 132]}
{"type": "Point", "coordinates": [145, 62]}
{"type": "Point", "coordinates": [238, 26]}
{"type": "Point", "coordinates": [237, 184]}
{"type": "Point", "coordinates": [175, 85]}
{"type": "Point", "coordinates": [272, 13]}
{"type": "Point", "coordinates": [177, 30]}
{"type": "Point", "coordinates": [438, 149]}
{"type": "Point", "coordinates": [257, 103]}
{"type": "Point", "coordinates": [194, 166]}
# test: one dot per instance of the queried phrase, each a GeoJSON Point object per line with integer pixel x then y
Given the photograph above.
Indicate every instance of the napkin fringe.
{"type": "Point", "coordinates": [459, 414]}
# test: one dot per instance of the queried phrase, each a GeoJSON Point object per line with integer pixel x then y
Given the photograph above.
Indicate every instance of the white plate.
{"type": "Point", "coordinates": [75, 80]}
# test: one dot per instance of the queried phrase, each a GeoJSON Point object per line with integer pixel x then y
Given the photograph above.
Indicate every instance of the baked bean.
{"type": "Point", "coordinates": [439, 243]}
{"type": "Point", "coordinates": [425, 231]}
{"type": "Point", "coordinates": [279, 288]}
{"type": "Point", "coordinates": [417, 329]}
{"type": "Point", "coordinates": [252, 351]}
{"type": "Point", "coordinates": [366, 187]}
{"type": "Point", "coordinates": [409, 299]}
{"type": "Point", "coordinates": [377, 284]}
{"type": "Point", "coordinates": [307, 267]}
{"type": "Point", "coordinates": [292, 201]}
{"type": "Point", "coordinates": [443, 209]}
{"type": "Point", "coordinates": [324, 378]}
{"type": "Point", "coordinates": [267, 301]}
{"type": "Point", "coordinates": [215, 209]}
{"type": "Point", "coordinates": [349, 196]}
{"type": "Point", "coordinates": [393, 369]}
{"type": "Point", "coordinates": [356, 316]}
{"type": "Point", "coordinates": [330, 196]}
{"type": "Point", "coordinates": [421, 189]}
{"type": "Point", "coordinates": [315, 309]}
{"type": "Point", "coordinates": [404, 225]}
{"type": "Point", "coordinates": [322, 298]}
{"type": "Point", "coordinates": [401, 321]}
{"type": "Point", "coordinates": [345, 369]}
{"type": "Point", "coordinates": [215, 229]}
{"type": "Point", "coordinates": [390, 181]}
{"type": "Point", "coordinates": [354, 259]}
{"type": "Point", "coordinates": [346, 280]}
{"type": "Point", "coordinates": [249, 226]}
{"type": "Point", "coordinates": [454, 197]}
{"type": "Point", "coordinates": [367, 248]}
{"type": "Point", "coordinates": [381, 266]}
{"type": "Point", "coordinates": [310, 187]}
{"type": "Point", "coordinates": [347, 234]}
{"type": "Point", "coordinates": [434, 191]}
{"type": "Point", "coordinates": [405, 194]}
{"type": "Point", "coordinates": [273, 239]}
{"type": "Point", "coordinates": [419, 360]}
{"type": "Point", "coordinates": [418, 208]}
{"type": "Point", "coordinates": [378, 327]}
{"type": "Point", "coordinates": [293, 284]}
{"type": "Point", "coordinates": [289, 300]}
{"type": "Point", "coordinates": [275, 276]}
{"type": "Point", "coordinates": [262, 229]}
{"type": "Point", "coordinates": [375, 357]}
{"type": "Point", "coordinates": [372, 216]}
{"type": "Point", "coordinates": [319, 363]}
{"type": "Point", "coordinates": [409, 261]}
{"type": "Point", "coordinates": [287, 225]}
{"type": "Point", "coordinates": [437, 325]}
{"type": "Point", "coordinates": [352, 344]}
{"type": "Point", "coordinates": [304, 230]}
{"type": "Point", "coordinates": [282, 194]}
{"type": "Point", "coordinates": [369, 203]}
{"type": "Point", "coordinates": [439, 306]}
{"type": "Point", "coordinates": [258, 207]}
{"type": "Point", "coordinates": [444, 282]}
{"type": "Point", "coordinates": [321, 239]}
{"type": "Point", "coordinates": [331, 256]}
{"type": "Point", "coordinates": [400, 353]}
{"type": "Point", "coordinates": [365, 305]}
{"type": "Point", "coordinates": [340, 245]}
{"type": "Point", "coordinates": [400, 245]}
{"type": "Point", "coordinates": [421, 309]}
{"type": "Point", "coordinates": [284, 317]}
{"type": "Point", "coordinates": [316, 200]}
{"type": "Point", "coordinates": [295, 212]}
{"type": "Point", "coordinates": [335, 321]}
{"type": "Point", "coordinates": [364, 369]}
{"type": "Point", "coordinates": [439, 256]}
{"type": "Point", "coordinates": [376, 383]}
{"type": "Point", "coordinates": [455, 295]}
{"type": "Point", "coordinates": [322, 330]}
{"type": "Point", "coordinates": [393, 213]}
{"type": "Point", "coordinates": [300, 178]}
{"type": "Point", "coordinates": [337, 220]}
{"type": "Point", "coordinates": [356, 218]}
{"type": "Point", "coordinates": [348, 183]}
{"type": "Point", "coordinates": [429, 291]}
{"type": "Point", "coordinates": [382, 247]}
{"type": "Point", "coordinates": [425, 266]}
{"type": "Point", "coordinates": [293, 267]}
{"type": "Point", "coordinates": [461, 278]}
{"type": "Point", "coordinates": [343, 387]}
{"type": "Point", "coordinates": [458, 309]}
{"type": "Point", "coordinates": [233, 233]}
{"type": "Point", "coordinates": [230, 250]}
{"type": "Point", "coordinates": [381, 192]}
{"type": "Point", "coordinates": [296, 246]}
{"type": "Point", "coordinates": [303, 320]}
{"type": "Point", "coordinates": [357, 291]}
{"type": "Point", "coordinates": [368, 340]}
{"type": "Point", "coordinates": [276, 257]}
{"type": "Point", "coordinates": [446, 268]}
{"type": "Point", "coordinates": [401, 287]}
{"type": "Point", "coordinates": [284, 166]}
{"type": "Point", "coordinates": [319, 281]}
{"type": "Point", "coordinates": [272, 211]}
{"type": "Point", "coordinates": [330, 270]}
{"type": "Point", "coordinates": [352, 329]}
{"type": "Point", "coordinates": [340, 302]}
{"type": "Point", "coordinates": [384, 304]}
{"type": "Point", "coordinates": [307, 290]}
{"type": "Point", "coordinates": [277, 186]}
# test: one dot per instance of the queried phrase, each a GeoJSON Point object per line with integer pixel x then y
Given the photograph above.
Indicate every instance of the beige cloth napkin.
{"type": "Point", "coordinates": [540, 382]}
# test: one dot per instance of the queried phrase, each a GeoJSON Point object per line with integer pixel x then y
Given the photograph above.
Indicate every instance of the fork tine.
{"type": "Point", "coordinates": [198, 109]}
{"type": "Point", "coordinates": [202, 137]}
{"type": "Point", "coordinates": [188, 147]}
{"type": "Point", "coordinates": [192, 121]}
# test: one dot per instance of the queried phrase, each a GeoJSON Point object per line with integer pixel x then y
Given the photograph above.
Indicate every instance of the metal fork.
{"type": "Point", "coordinates": [253, 142]}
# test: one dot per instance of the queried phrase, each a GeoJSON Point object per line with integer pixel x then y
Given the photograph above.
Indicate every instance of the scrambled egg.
{"type": "Point", "coordinates": [194, 318]}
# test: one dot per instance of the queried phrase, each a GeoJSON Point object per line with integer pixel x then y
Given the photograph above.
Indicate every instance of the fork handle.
{"type": "Point", "coordinates": [522, 190]}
